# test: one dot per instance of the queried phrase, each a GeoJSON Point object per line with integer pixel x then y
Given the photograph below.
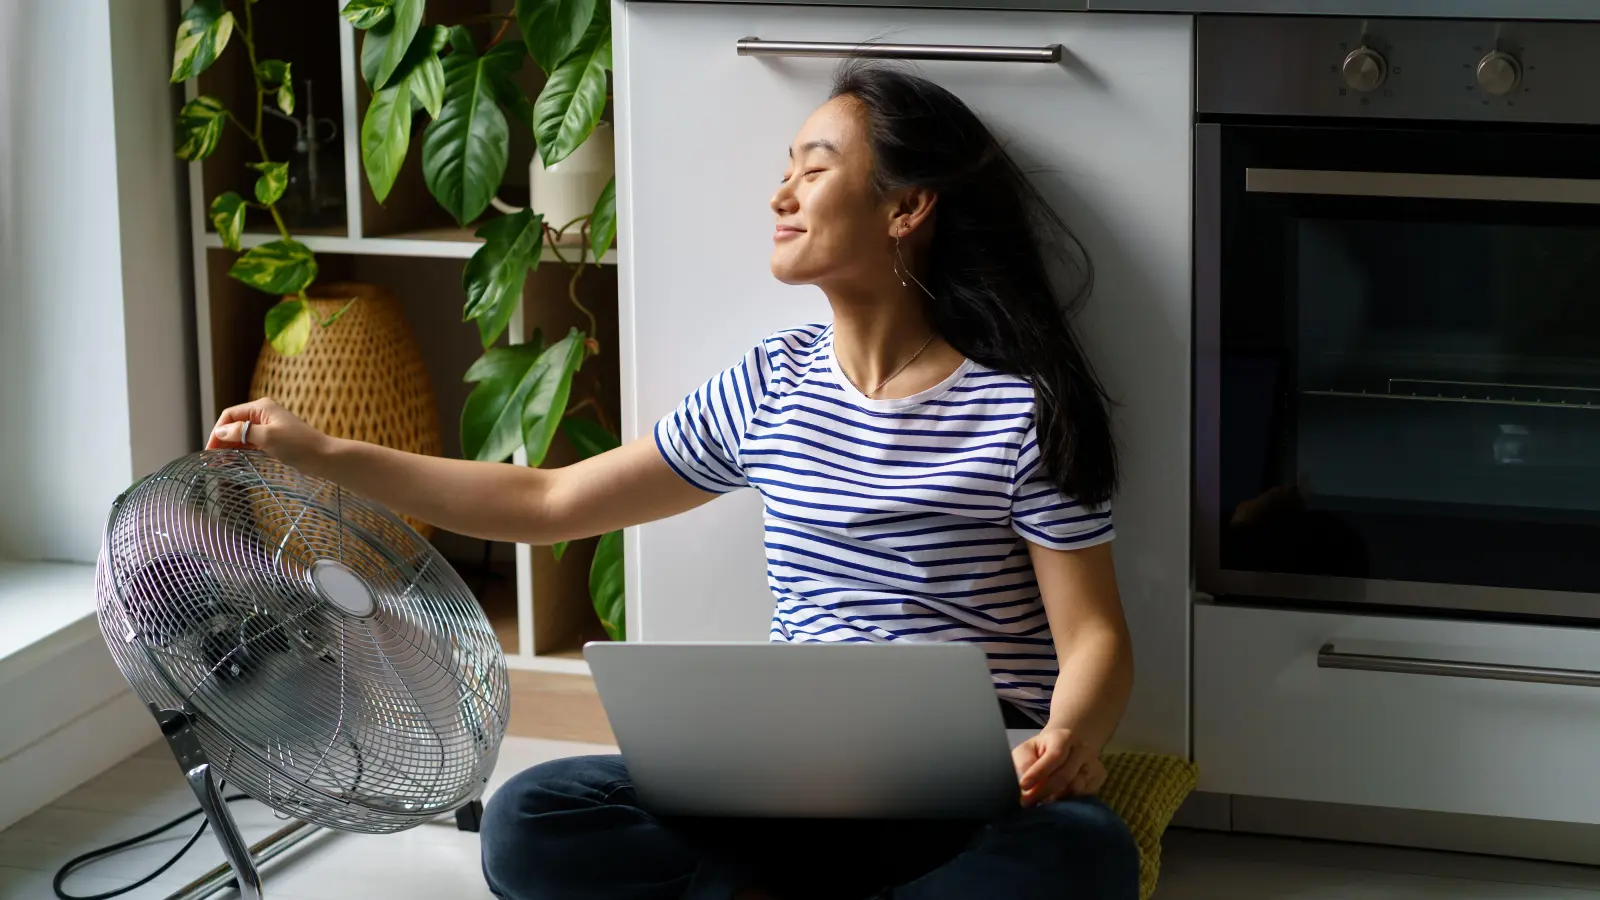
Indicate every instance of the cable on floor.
{"type": "Point", "coordinates": [78, 862]}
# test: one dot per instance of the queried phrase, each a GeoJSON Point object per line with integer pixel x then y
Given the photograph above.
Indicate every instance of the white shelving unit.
{"type": "Point", "coordinates": [439, 243]}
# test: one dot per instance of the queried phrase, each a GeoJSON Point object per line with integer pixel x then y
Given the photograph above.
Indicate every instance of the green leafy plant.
{"type": "Point", "coordinates": [284, 267]}
{"type": "Point", "coordinates": [523, 393]}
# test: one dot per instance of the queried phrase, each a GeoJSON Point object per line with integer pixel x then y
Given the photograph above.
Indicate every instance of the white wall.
{"type": "Point", "coordinates": [157, 293]}
{"type": "Point", "coordinates": [96, 349]}
{"type": "Point", "coordinates": [92, 348]}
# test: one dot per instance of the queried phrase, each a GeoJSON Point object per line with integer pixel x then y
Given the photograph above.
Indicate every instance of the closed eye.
{"type": "Point", "coordinates": [806, 174]}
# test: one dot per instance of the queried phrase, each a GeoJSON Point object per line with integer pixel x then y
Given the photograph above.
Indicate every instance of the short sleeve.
{"type": "Point", "coordinates": [700, 439]}
{"type": "Point", "coordinates": [1042, 514]}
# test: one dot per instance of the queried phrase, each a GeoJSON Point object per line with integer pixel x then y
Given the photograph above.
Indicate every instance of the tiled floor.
{"type": "Point", "coordinates": [435, 862]}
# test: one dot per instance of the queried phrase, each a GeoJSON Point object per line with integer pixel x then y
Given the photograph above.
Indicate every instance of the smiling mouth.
{"type": "Point", "coordinates": [786, 231]}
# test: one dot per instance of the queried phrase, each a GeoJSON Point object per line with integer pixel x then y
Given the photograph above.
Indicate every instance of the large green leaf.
{"type": "Point", "coordinates": [363, 14]}
{"type": "Point", "coordinates": [570, 105]}
{"type": "Point", "coordinates": [289, 326]}
{"type": "Point", "coordinates": [606, 587]}
{"type": "Point", "coordinates": [274, 179]}
{"type": "Point", "coordinates": [506, 379]}
{"type": "Point", "coordinates": [552, 28]}
{"type": "Point", "coordinates": [588, 438]}
{"type": "Point", "coordinates": [203, 32]}
{"type": "Point", "coordinates": [276, 71]}
{"type": "Point", "coordinates": [547, 402]}
{"type": "Point", "coordinates": [280, 267]}
{"type": "Point", "coordinates": [491, 419]}
{"type": "Point", "coordinates": [494, 275]}
{"type": "Point", "coordinates": [227, 216]}
{"type": "Point", "coordinates": [385, 136]}
{"type": "Point", "coordinates": [199, 127]}
{"type": "Point", "coordinates": [386, 43]}
{"type": "Point", "coordinates": [603, 222]}
{"type": "Point", "coordinates": [464, 149]}
{"type": "Point", "coordinates": [428, 42]}
{"type": "Point", "coordinates": [515, 102]}
{"type": "Point", "coordinates": [502, 62]}
{"type": "Point", "coordinates": [427, 84]}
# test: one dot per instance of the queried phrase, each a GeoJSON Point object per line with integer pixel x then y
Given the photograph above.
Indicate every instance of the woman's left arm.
{"type": "Point", "coordinates": [1095, 654]}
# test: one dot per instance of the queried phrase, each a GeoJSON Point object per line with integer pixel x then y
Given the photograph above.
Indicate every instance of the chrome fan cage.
{"type": "Point", "coordinates": [302, 643]}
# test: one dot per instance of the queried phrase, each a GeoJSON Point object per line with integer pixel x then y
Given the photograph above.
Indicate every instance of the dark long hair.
{"type": "Point", "coordinates": [993, 298]}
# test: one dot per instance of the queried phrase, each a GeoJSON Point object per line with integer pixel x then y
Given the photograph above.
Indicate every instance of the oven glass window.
{"type": "Point", "coordinates": [1410, 386]}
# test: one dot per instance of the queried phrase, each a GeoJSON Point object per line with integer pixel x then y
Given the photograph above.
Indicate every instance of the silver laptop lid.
{"type": "Point", "coordinates": [894, 730]}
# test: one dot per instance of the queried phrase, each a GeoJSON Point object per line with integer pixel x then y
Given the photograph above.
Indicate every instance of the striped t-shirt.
{"type": "Point", "coordinates": [889, 520]}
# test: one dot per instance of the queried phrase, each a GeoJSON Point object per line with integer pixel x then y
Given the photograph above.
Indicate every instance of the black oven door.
{"type": "Point", "coordinates": [1398, 367]}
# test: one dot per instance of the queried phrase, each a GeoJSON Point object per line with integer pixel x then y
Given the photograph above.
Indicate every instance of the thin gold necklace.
{"type": "Point", "coordinates": [896, 372]}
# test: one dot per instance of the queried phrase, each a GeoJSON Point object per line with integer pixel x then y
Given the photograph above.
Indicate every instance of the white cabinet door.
{"type": "Point", "coordinates": [704, 134]}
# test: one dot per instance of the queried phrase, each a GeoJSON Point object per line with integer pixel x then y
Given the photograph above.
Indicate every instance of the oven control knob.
{"type": "Point", "coordinates": [1499, 73]}
{"type": "Point", "coordinates": [1364, 69]}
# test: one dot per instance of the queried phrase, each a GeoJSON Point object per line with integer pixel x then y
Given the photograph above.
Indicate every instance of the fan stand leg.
{"type": "Point", "coordinates": [197, 771]}
{"type": "Point", "coordinates": [470, 817]}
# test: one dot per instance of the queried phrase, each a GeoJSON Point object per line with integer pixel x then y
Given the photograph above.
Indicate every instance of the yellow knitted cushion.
{"type": "Point", "coordinates": [1145, 790]}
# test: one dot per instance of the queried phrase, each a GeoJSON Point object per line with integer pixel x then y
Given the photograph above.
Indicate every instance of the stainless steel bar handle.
{"type": "Point", "coordinates": [754, 46]}
{"type": "Point", "coordinates": [1330, 658]}
{"type": "Point", "coordinates": [1422, 185]}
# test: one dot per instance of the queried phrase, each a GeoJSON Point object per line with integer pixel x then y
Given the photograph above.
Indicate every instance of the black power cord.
{"type": "Point", "coordinates": [79, 862]}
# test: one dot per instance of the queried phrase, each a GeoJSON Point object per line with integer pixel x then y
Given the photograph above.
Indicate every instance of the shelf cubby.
{"type": "Point", "coordinates": [304, 33]}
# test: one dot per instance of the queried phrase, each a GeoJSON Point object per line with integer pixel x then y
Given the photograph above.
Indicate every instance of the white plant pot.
{"type": "Point", "coordinates": [569, 189]}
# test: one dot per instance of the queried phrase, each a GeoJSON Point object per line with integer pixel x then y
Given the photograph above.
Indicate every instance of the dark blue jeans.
{"type": "Point", "coordinates": [572, 829]}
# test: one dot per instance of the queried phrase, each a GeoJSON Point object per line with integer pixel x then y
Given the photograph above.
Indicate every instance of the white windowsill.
{"type": "Point", "coordinates": [43, 605]}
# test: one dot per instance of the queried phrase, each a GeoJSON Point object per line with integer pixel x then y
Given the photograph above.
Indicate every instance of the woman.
{"type": "Point", "coordinates": [936, 465]}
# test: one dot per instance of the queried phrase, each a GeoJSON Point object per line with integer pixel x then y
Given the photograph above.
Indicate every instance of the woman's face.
{"type": "Point", "coordinates": [832, 224]}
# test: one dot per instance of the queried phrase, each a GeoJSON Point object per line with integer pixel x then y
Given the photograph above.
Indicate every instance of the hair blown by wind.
{"type": "Point", "coordinates": [992, 295]}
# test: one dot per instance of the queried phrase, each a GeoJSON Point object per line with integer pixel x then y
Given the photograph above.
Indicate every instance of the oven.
{"type": "Point", "coordinates": [1397, 302]}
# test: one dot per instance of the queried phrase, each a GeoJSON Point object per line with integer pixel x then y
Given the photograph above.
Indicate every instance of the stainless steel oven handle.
{"type": "Point", "coordinates": [754, 46]}
{"type": "Point", "coordinates": [1329, 658]}
{"type": "Point", "coordinates": [1421, 185]}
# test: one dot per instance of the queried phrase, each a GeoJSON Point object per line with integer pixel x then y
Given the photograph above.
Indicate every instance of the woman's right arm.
{"type": "Point", "coordinates": [494, 501]}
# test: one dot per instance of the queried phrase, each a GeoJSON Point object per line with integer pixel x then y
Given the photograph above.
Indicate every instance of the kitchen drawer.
{"type": "Point", "coordinates": [1269, 722]}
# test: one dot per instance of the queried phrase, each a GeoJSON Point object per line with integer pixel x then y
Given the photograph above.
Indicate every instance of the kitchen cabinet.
{"type": "Point", "coordinates": [703, 134]}
{"type": "Point", "coordinates": [1271, 722]}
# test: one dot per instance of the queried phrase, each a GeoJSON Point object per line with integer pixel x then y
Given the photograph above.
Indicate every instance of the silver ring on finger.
{"type": "Point", "coordinates": [244, 435]}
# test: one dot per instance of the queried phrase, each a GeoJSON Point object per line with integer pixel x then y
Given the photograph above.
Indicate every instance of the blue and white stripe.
{"type": "Point", "coordinates": [903, 519]}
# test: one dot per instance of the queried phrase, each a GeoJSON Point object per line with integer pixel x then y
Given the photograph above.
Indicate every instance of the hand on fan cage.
{"type": "Point", "coordinates": [264, 425]}
{"type": "Point", "coordinates": [625, 486]}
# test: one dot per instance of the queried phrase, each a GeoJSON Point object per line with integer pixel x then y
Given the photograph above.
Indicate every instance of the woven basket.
{"type": "Point", "coordinates": [360, 378]}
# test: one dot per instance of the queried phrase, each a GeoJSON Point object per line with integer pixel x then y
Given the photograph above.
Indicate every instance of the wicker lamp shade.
{"type": "Point", "coordinates": [361, 378]}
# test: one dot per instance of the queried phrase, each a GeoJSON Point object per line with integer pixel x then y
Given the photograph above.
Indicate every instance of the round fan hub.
{"type": "Point", "coordinates": [342, 587]}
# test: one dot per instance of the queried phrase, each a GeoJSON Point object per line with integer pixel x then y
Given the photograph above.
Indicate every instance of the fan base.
{"type": "Point", "coordinates": [470, 817]}
{"type": "Point", "coordinates": [240, 871]}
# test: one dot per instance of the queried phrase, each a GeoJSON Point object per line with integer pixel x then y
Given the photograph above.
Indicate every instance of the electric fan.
{"type": "Point", "coordinates": [301, 644]}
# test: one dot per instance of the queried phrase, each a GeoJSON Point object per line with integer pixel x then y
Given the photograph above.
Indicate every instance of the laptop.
{"type": "Point", "coordinates": [808, 730]}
